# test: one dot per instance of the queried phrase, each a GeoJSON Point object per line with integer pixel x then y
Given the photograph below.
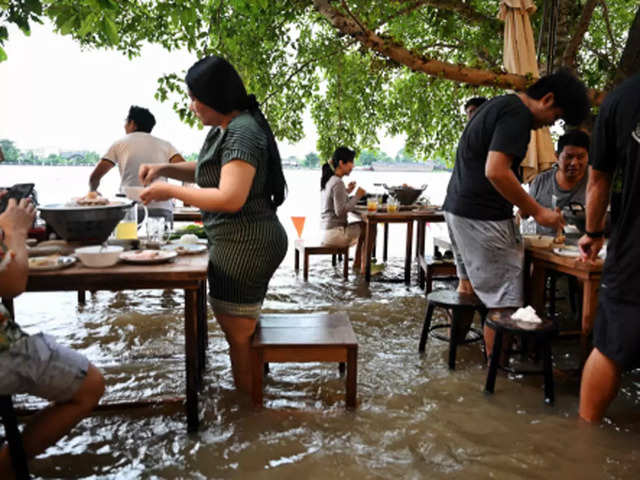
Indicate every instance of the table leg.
{"type": "Point", "coordinates": [82, 297]}
{"type": "Point", "coordinates": [8, 303]}
{"type": "Point", "coordinates": [536, 287]}
{"type": "Point", "coordinates": [420, 241]}
{"type": "Point", "coordinates": [352, 376]}
{"type": "Point", "coordinates": [369, 238]}
{"type": "Point", "coordinates": [203, 337]}
{"type": "Point", "coordinates": [191, 356]}
{"type": "Point", "coordinates": [385, 243]}
{"type": "Point", "coordinates": [409, 249]}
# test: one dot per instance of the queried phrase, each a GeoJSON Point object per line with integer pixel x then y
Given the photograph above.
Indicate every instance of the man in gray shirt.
{"type": "Point", "coordinates": [567, 180]}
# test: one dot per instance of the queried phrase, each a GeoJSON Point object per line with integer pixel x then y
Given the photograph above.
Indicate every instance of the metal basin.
{"type": "Point", "coordinates": [404, 194]}
{"type": "Point", "coordinates": [84, 224]}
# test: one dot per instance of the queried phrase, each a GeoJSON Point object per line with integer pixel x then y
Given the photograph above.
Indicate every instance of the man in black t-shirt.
{"type": "Point", "coordinates": [615, 170]}
{"type": "Point", "coordinates": [485, 185]}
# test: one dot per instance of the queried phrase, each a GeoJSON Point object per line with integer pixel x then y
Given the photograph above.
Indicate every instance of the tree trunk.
{"type": "Point", "coordinates": [630, 59]}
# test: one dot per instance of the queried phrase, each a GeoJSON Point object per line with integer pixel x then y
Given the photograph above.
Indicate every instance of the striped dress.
{"type": "Point", "coordinates": [246, 247]}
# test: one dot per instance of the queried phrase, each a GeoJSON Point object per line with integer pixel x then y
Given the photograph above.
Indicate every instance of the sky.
{"type": "Point", "coordinates": [55, 96]}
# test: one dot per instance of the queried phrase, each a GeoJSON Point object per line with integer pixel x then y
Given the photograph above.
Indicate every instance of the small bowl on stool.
{"type": "Point", "coordinates": [99, 256]}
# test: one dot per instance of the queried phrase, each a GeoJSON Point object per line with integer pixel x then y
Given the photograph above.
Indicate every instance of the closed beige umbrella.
{"type": "Point", "coordinates": [520, 58]}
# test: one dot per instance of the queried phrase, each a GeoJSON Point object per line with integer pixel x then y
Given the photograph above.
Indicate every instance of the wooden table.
{"type": "Point", "coordinates": [422, 217]}
{"type": "Point", "coordinates": [186, 272]}
{"type": "Point", "coordinates": [541, 260]}
{"type": "Point", "coordinates": [187, 214]}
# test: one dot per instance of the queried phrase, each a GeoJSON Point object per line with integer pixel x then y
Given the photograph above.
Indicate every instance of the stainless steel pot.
{"type": "Point", "coordinates": [84, 224]}
{"type": "Point", "coordinates": [405, 194]}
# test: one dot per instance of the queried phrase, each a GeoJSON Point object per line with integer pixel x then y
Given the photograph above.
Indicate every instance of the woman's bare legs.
{"type": "Point", "coordinates": [359, 255]}
{"type": "Point", "coordinates": [238, 331]}
{"type": "Point", "coordinates": [49, 425]}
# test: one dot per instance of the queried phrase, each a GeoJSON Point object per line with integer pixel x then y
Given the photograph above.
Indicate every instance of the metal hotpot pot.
{"type": "Point", "coordinates": [405, 194]}
{"type": "Point", "coordinates": [84, 223]}
{"type": "Point", "coordinates": [575, 214]}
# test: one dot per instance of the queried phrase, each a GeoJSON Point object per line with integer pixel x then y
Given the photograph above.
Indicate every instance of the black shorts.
{"type": "Point", "coordinates": [617, 331]}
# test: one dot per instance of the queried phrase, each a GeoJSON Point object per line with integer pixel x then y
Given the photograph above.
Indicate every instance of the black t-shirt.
{"type": "Point", "coordinates": [615, 148]}
{"type": "Point", "coordinates": [502, 124]}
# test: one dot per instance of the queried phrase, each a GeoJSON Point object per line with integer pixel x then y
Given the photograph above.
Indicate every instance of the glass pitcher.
{"type": "Point", "coordinates": [127, 228]}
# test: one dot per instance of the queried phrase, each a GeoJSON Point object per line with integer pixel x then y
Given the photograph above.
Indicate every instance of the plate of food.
{"type": "Point", "coordinates": [185, 248]}
{"type": "Point", "coordinates": [51, 262]}
{"type": "Point", "coordinates": [189, 239]}
{"type": "Point", "coordinates": [567, 251]}
{"type": "Point", "coordinates": [148, 256]}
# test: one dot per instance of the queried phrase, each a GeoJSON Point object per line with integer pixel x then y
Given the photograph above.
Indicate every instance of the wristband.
{"type": "Point", "coordinates": [598, 234]}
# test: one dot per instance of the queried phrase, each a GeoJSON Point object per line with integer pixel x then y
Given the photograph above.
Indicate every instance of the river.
{"type": "Point", "coordinates": [415, 419]}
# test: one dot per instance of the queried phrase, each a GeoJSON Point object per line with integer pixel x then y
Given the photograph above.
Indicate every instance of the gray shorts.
{"type": "Point", "coordinates": [490, 254]}
{"type": "Point", "coordinates": [37, 365]}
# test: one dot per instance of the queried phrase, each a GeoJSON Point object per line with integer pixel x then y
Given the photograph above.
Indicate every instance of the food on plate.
{"type": "Point", "coordinates": [91, 199]}
{"type": "Point", "coordinates": [197, 230]}
{"type": "Point", "coordinates": [189, 239]}
{"type": "Point", "coordinates": [559, 239]}
{"type": "Point", "coordinates": [43, 262]}
{"type": "Point", "coordinates": [144, 255]}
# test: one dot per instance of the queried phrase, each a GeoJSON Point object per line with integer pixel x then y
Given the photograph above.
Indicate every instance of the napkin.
{"type": "Point", "coordinates": [526, 314]}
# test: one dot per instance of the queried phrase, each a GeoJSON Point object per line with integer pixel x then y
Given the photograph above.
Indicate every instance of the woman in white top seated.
{"type": "Point", "coordinates": [336, 203]}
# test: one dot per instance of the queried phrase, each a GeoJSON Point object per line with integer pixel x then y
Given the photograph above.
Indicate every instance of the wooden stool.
{"type": "Point", "coordinates": [543, 332]}
{"type": "Point", "coordinates": [316, 337]}
{"type": "Point", "coordinates": [305, 251]}
{"type": "Point", "coordinates": [430, 269]}
{"type": "Point", "coordinates": [14, 438]}
{"type": "Point", "coordinates": [458, 303]}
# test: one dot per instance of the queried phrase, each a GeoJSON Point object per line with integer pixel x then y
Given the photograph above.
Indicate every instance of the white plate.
{"type": "Point", "coordinates": [160, 256]}
{"type": "Point", "coordinates": [201, 241]}
{"type": "Point", "coordinates": [567, 251]}
{"type": "Point", "coordinates": [185, 248]}
{"type": "Point", "coordinates": [50, 263]}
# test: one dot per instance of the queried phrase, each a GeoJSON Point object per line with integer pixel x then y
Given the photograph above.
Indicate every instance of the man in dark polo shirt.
{"type": "Point", "coordinates": [485, 185]}
{"type": "Point", "coordinates": [615, 171]}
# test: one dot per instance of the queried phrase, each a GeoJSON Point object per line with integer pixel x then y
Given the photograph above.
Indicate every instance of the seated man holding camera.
{"type": "Point", "coordinates": [36, 364]}
{"type": "Point", "coordinates": [567, 180]}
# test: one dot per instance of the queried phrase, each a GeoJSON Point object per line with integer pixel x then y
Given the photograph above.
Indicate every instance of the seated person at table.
{"type": "Point", "coordinates": [36, 364]}
{"type": "Point", "coordinates": [567, 180]}
{"type": "Point", "coordinates": [335, 204]}
{"type": "Point", "coordinates": [138, 146]}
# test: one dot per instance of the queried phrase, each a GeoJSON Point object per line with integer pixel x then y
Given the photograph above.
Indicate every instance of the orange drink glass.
{"type": "Point", "coordinates": [372, 204]}
{"type": "Point", "coordinates": [298, 222]}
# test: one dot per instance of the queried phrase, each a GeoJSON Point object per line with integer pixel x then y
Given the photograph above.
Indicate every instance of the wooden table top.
{"type": "Point", "coordinates": [316, 329]}
{"type": "Point", "coordinates": [569, 262]}
{"type": "Point", "coordinates": [184, 270]}
{"type": "Point", "coordinates": [430, 215]}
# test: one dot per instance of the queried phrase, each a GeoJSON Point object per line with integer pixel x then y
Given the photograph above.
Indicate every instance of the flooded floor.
{"type": "Point", "coordinates": [415, 419]}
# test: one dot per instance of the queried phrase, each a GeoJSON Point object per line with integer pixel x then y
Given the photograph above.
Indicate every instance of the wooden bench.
{"type": "Point", "coordinates": [305, 251]}
{"type": "Point", "coordinates": [316, 337]}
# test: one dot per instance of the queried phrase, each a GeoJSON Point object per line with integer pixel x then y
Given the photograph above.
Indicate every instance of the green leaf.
{"type": "Point", "coordinates": [110, 29]}
{"type": "Point", "coordinates": [3, 55]}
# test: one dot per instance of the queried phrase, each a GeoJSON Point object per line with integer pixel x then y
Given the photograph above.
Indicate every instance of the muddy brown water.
{"type": "Point", "coordinates": [415, 418]}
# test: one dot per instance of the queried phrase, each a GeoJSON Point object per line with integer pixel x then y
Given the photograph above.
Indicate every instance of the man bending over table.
{"type": "Point", "coordinates": [615, 170]}
{"type": "Point", "coordinates": [36, 364]}
{"type": "Point", "coordinates": [567, 180]}
{"type": "Point", "coordinates": [485, 185]}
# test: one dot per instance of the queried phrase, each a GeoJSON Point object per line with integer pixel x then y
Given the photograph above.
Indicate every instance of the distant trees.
{"type": "Point", "coordinates": [15, 156]}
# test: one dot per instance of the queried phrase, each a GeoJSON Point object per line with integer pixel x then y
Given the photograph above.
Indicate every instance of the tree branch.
{"type": "Point", "coordinates": [630, 58]}
{"type": "Point", "coordinates": [420, 63]}
{"type": "Point", "coordinates": [571, 51]}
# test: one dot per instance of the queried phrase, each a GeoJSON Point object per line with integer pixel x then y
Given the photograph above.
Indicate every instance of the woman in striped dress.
{"type": "Point", "coordinates": [239, 172]}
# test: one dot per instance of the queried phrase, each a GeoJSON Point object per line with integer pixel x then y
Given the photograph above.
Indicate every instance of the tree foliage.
{"type": "Point", "coordinates": [362, 68]}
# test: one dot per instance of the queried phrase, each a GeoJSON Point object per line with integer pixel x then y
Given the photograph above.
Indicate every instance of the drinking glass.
{"type": "Point", "coordinates": [157, 232]}
{"type": "Point", "coordinates": [372, 203]}
{"type": "Point", "coordinates": [298, 222]}
{"type": "Point", "coordinates": [392, 205]}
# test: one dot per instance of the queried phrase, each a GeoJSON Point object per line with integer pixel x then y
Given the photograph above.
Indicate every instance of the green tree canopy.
{"type": "Point", "coordinates": [361, 67]}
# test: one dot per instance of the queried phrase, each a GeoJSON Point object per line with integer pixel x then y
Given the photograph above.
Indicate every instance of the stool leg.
{"type": "Point", "coordinates": [429, 281]}
{"type": "Point", "coordinates": [256, 376]}
{"type": "Point", "coordinates": [14, 439]}
{"type": "Point", "coordinates": [82, 298]}
{"type": "Point", "coordinates": [352, 376]}
{"type": "Point", "coordinates": [305, 268]}
{"type": "Point", "coordinates": [493, 362]}
{"type": "Point", "coordinates": [385, 242]}
{"type": "Point", "coordinates": [425, 328]}
{"type": "Point", "coordinates": [453, 338]}
{"type": "Point", "coordinates": [548, 374]}
{"type": "Point", "coordinates": [342, 367]}
{"type": "Point", "coordinates": [265, 368]}
{"type": "Point", "coordinates": [345, 266]}
{"type": "Point", "coordinates": [296, 260]}
{"type": "Point", "coordinates": [333, 259]}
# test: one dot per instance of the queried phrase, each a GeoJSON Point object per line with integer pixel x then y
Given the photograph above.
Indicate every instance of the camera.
{"type": "Point", "coordinates": [18, 191]}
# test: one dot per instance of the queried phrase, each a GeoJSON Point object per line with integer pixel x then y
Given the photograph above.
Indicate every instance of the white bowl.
{"type": "Point", "coordinates": [98, 256]}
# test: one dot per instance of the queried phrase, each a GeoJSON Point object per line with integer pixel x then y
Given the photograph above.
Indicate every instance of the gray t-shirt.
{"type": "Point", "coordinates": [335, 204]}
{"type": "Point", "coordinates": [545, 185]}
